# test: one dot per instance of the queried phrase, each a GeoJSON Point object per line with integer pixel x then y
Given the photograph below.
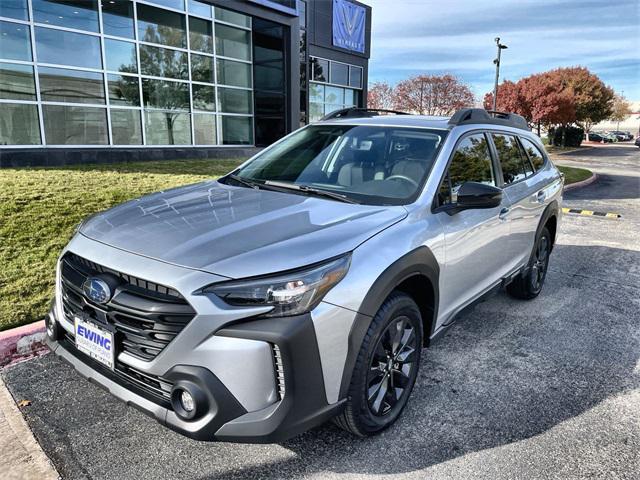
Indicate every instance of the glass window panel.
{"type": "Point", "coordinates": [126, 127]}
{"type": "Point", "coordinates": [72, 86]}
{"type": "Point", "coordinates": [320, 69]}
{"type": "Point", "coordinates": [339, 73]}
{"type": "Point", "coordinates": [334, 95]}
{"type": "Point", "coordinates": [204, 97]}
{"type": "Point", "coordinates": [350, 97]}
{"type": "Point", "coordinates": [199, 8]}
{"type": "Point", "coordinates": [316, 93]}
{"type": "Point", "coordinates": [200, 35]}
{"type": "Point", "coordinates": [355, 77]}
{"type": "Point", "coordinates": [471, 162]}
{"type": "Point", "coordinates": [237, 130]}
{"type": "Point", "coordinates": [53, 46]}
{"type": "Point", "coordinates": [14, 9]}
{"type": "Point", "coordinates": [165, 95]}
{"type": "Point", "coordinates": [316, 111]}
{"type": "Point", "coordinates": [228, 16]}
{"type": "Point", "coordinates": [510, 158]}
{"type": "Point", "coordinates": [331, 107]}
{"type": "Point", "coordinates": [269, 77]}
{"type": "Point", "coordinates": [78, 14]}
{"type": "Point", "coordinates": [124, 90]}
{"type": "Point", "coordinates": [302, 13]}
{"type": "Point", "coordinates": [234, 73]}
{"type": "Point", "coordinates": [162, 62]}
{"type": "Point", "coordinates": [16, 82]}
{"type": "Point", "coordinates": [120, 56]}
{"type": "Point", "coordinates": [117, 18]}
{"type": "Point", "coordinates": [204, 128]}
{"type": "Point", "coordinates": [177, 4]}
{"type": "Point", "coordinates": [19, 124]}
{"type": "Point", "coordinates": [202, 68]}
{"type": "Point", "coordinates": [69, 125]}
{"type": "Point", "coordinates": [156, 25]}
{"type": "Point", "coordinates": [232, 42]}
{"type": "Point", "coordinates": [536, 157]}
{"type": "Point", "coordinates": [167, 128]}
{"type": "Point", "coordinates": [235, 101]}
{"type": "Point", "coordinates": [15, 41]}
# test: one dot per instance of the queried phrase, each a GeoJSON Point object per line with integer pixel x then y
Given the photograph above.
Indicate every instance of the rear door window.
{"type": "Point", "coordinates": [534, 153]}
{"type": "Point", "coordinates": [511, 158]}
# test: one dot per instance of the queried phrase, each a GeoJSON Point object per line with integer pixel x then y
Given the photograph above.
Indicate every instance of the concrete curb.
{"type": "Point", "coordinates": [581, 184]}
{"type": "Point", "coordinates": [22, 342]}
{"type": "Point", "coordinates": [21, 456]}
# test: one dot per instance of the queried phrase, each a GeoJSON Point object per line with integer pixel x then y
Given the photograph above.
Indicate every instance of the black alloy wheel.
{"type": "Point", "coordinates": [530, 283]}
{"type": "Point", "coordinates": [386, 368]}
{"type": "Point", "coordinates": [391, 366]}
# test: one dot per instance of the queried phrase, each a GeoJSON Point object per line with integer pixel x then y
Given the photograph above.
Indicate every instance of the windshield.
{"type": "Point", "coordinates": [369, 164]}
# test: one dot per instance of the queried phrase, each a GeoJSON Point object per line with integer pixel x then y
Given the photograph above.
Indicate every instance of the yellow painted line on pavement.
{"type": "Point", "coordinates": [590, 213]}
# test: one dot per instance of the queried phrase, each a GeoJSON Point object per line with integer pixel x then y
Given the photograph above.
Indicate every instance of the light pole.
{"type": "Point", "coordinates": [497, 64]}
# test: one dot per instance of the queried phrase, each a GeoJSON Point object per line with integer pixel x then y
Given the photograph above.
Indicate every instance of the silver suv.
{"type": "Point", "coordinates": [304, 285]}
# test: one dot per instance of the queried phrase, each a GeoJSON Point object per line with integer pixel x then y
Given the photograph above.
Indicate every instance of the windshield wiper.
{"type": "Point", "coordinates": [311, 191]}
{"type": "Point", "coordinates": [245, 182]}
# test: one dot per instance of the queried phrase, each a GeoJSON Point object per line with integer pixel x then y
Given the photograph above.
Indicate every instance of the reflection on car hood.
{"type": "Point", "coordinates": [238, 232]}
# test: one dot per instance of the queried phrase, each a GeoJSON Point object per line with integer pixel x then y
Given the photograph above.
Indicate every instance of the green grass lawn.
{"type": "Point", "coordinates": [573, 175]}
{"type": "Point", "coordinates": [39, 208]}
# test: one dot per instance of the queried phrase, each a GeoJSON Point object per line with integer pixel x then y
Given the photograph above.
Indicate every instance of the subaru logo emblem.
{"type": "Point", "coordinates": [97, 290]}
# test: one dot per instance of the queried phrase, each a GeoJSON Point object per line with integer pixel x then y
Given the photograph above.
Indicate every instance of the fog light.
{"type": "Point", "coordinates": [187, 402]}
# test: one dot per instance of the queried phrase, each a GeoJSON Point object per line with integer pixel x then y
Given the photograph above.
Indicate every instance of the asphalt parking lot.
{"type": "Point", "coordinates": [542, 389]}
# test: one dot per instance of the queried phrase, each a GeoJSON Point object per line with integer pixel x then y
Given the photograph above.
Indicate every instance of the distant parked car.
{"type": "Point", "coordinates": [610, 136]}
{"type": "Point", "coordinates": [630, 135]}
{"type": "Point", "coordinates": [598, 137]}
{"type": "Point", "coordinates": [637, 142]}
{"type": "Point", "coordinates": [621, 136]}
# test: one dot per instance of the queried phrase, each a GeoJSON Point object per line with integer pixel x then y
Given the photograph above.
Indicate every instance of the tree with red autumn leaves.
{"type": "Point", "coordinates": [381, 96]}
{"type": "Point", "coordinates": [433, 95]}
{"type": "Point", "coordinates": [557, 97]}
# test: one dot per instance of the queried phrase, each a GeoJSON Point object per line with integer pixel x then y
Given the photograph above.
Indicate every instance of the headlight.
{"type": "Point", "coordinates": [290, 293]}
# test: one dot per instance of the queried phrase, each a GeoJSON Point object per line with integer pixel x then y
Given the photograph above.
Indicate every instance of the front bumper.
{"type": "Point", "coordinates": [302, 406]}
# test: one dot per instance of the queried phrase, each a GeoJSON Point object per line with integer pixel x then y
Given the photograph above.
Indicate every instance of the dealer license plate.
{"type": "Point", "coordinates": [94, 341]}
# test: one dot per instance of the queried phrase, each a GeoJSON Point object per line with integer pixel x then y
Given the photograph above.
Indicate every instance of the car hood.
{"type": "Point", "coordinates": [236, 231]}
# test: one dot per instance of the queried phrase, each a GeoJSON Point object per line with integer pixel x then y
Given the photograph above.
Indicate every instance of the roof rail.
{"type": "Point", "coordinates": [469, 116]}
{"type": "Point", "coordinates": [356, 112]}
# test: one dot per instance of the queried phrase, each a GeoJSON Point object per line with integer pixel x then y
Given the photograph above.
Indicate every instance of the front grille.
{"type": "Point", "coordinates": [145, 316]}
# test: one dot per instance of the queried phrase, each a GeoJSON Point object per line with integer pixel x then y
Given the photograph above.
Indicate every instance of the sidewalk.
{"type": "Point", "coordinates": [21, 457]}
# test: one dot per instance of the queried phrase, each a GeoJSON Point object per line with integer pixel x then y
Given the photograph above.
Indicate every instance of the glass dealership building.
{"type": "Point", "coordinates": [103, 80]}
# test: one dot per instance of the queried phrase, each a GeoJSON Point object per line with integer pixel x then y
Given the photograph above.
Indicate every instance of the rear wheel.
{"type": "Point", "coordinates": [386, 368]}
{"type": "Point", "coordinates": [529, 286]}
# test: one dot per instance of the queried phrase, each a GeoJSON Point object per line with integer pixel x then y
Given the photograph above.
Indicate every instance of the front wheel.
{"type": "Point", "coordinates": [530, 284]}
{"type": "Point", "coordinates": [386, 368]}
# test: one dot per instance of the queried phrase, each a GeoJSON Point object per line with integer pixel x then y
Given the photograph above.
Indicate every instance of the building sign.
{"type": "Point", "coordinates": [348, 25]}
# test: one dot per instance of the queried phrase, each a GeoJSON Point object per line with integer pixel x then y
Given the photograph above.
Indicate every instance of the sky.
{"type": "Point", "coordinates": [410, 37]}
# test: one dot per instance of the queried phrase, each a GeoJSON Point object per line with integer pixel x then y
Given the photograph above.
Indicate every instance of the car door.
{"type": "Point", "coordinates": [475, 239]}
{"type": "Point", "coordinates": [524, 192]}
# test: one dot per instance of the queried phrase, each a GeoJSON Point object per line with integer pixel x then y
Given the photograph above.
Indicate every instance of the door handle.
{"type": "Point", "coordinates": [503, 213]}
{"type": "Point", "coordinates": [541, 196]}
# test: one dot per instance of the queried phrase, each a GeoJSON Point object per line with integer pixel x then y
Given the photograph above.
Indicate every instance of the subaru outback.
{"type": "Point", "coordinates": [303, 285]}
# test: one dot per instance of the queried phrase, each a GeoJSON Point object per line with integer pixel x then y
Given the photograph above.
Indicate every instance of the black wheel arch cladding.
{"type": "Point", "coordinates": [418, 263]}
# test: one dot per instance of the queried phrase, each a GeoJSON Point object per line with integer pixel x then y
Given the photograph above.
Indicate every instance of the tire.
{"type": "Point", "coordinates": [380, 386]}
{"type": "Point", "coordinates": [529, 285]}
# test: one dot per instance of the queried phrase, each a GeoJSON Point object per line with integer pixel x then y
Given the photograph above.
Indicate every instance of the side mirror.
{"type": "Point", "coordinates": [478, 195]}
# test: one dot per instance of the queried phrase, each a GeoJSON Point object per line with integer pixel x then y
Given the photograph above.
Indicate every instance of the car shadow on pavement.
{"type": "Point", "coordinates": [507, 371]}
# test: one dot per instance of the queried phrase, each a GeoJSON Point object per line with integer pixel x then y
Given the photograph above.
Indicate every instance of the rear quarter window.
{"type": "Point", "coordinates": [533, 152]}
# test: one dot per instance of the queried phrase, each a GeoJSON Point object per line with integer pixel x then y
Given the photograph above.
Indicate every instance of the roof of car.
{"type": "Point", "coordinates": [422, 121]}
{"type": "Point", "coordinates": [465, 116]}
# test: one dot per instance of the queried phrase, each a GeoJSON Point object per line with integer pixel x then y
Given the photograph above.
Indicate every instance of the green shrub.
{"type": "Point", "coordinates": [569, 136]}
